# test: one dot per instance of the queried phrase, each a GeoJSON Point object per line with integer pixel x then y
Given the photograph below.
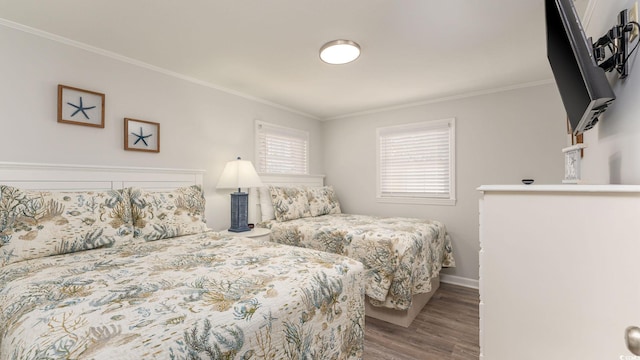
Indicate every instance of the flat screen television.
{"type": "Point", "coordinates": [583, 85]}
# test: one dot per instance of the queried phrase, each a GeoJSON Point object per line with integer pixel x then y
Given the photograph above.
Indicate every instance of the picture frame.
{"type": "Point", "coordinates": [80, 107]}
{"type": "Point", "coordinates": [141, 135]}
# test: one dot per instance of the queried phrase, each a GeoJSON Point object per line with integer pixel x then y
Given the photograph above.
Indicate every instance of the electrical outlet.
{"type": "Point", "coordinates": [633, 16]}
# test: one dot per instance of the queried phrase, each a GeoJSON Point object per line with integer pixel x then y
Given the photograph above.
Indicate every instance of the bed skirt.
{"type": "Point", "coordinates": [402, 318]}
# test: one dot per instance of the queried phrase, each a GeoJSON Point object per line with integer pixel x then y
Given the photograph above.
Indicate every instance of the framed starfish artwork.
{"type": "Point", "coordinates": [141, 135]}
{"type": "Point", "coordinates": [80, 107]}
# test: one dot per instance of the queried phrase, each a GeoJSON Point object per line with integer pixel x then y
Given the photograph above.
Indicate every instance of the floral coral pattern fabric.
{"type": "Point", "coordinates": [289, 202]}
{"type": "Point", "coordinates": [191, 297]}
{"type": "Point", "coordinates": [166, 214]}
{"type": "Point", "coordinates": [323, 200]}
{"type": "Point", "coordinates": [401, 255]}
{"type": "Point", "coordinates": [35, 224]}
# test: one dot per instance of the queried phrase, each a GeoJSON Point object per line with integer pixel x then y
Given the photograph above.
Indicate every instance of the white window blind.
{"type": "Point", "coordinates": [281, 150]}
{"type": "Point", "coordinates": [416, 161]}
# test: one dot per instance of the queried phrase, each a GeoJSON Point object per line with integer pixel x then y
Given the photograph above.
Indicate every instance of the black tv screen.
{"type": "Point", "coordinates": [583, 85]}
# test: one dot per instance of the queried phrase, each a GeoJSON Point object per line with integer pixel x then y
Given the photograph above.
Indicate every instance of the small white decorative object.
{"type": "Point", "coordinates": [572, 157]}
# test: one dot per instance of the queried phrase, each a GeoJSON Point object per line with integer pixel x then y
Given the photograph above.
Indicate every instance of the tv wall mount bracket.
{"type": "Point", "coordinates": [616, 40]}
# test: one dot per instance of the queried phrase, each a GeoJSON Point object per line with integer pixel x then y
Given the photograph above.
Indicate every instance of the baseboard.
{"type": "Point", "coordinates": [458, 280]}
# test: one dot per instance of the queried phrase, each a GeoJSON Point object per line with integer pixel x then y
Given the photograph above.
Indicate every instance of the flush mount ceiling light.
{"type": "Point", "coordinates": [339, 52]}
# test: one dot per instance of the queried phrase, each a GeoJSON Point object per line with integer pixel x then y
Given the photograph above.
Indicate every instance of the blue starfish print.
{"type": "Point", "coordinates": [81, 108]}
{"type": "Point", "coordinates": [141, 137]}
{"type": "Point", "coordinates": [8, 255]}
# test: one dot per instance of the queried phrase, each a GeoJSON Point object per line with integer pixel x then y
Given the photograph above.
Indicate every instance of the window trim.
{"type": "Point", "coordinates": [302, 135]}
{"type": "Point", "coordinates": [449, 199]}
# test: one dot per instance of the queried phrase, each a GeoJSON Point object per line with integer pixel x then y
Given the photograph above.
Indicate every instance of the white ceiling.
{"type": "Point", "coordinates": [412, 50]}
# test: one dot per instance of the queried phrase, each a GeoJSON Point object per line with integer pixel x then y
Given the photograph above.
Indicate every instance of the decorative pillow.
{"type": "Point", "coordinates": [166, 214]}
{"type": "Point", "coordinates": [323, 201]}
{"type": "Point", "coordinates": [266, 205]}
{"type": "Point", "coordinates": [35, 224]}
{"type": "Point", "coordinates": [289, 203]}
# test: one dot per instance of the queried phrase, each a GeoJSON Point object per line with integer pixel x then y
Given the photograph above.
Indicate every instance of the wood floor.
{"type": "Point", "coordinates": [447, 328]}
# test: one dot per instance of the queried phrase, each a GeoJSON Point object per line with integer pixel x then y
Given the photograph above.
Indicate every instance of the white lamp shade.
{"type": "Point", "coordinates": [238, 174]}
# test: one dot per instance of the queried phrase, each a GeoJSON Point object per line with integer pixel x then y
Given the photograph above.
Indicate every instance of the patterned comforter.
{"type": "Point", "coordinates": [189, 297]}
{"type": "Point", "coordinates": [401, 255]}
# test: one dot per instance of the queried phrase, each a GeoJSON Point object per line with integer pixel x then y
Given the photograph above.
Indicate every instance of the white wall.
{"type": "Point", "coordinates": [613, 153]}
{"type": "Point", "coordinates": [501, 138]}
{"type": "Point", "coordinates": [201, 127]}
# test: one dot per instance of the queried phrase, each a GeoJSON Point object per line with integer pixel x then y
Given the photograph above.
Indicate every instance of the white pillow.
{"type": "Point", "coordinates": [323, 200]}
{"type": "Point", "coordinates": [266, 205]}
{"type": "Point", "coordinates": [290, 202]}
{"type": "Point", "coordinates": [35, 224]}
{"type": "Point", "coordinates": [160, 214]}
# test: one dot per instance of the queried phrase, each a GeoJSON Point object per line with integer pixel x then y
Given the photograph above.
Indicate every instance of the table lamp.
{"type": "Point", "coordinates": [239, 174]}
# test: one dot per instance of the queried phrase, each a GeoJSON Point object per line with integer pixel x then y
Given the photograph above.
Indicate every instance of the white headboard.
{"type": "Point", "coordinates": [292, 180]}
{"type": "Point", "coordinates": [89, 177]}
{"type": "Point", "coordinates": [278, 180]}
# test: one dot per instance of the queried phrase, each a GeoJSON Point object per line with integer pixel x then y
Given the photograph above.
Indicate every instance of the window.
{"type": "Point", "coordinates": [281, 150]}
{"type": "Point", "coordinates": [416, 163]}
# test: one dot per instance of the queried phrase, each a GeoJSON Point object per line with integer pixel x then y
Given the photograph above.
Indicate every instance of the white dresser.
{"type": "Point", "coordinates": [559, 271]}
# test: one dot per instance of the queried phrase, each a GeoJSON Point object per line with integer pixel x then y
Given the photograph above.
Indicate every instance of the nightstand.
{"type": "Point", "coordinates": [255, 233]}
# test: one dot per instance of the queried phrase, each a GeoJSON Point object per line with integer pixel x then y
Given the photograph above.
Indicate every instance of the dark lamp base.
{"type": "Point", "coordinates": [239, 212]}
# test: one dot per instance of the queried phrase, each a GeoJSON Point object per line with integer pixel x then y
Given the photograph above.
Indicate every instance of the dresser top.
{"type": "Point", "coordinates": [572, 188]}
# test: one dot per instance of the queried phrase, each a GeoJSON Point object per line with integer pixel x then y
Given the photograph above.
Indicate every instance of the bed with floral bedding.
{"type": "Point", "coordinates": [402, 255]}
{"type": "Point", "coordinates": [134, 274]}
